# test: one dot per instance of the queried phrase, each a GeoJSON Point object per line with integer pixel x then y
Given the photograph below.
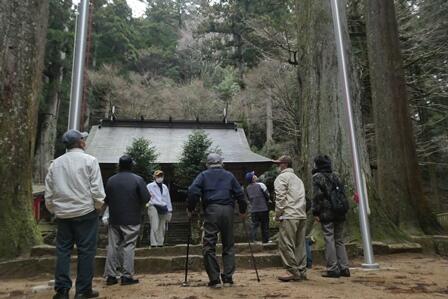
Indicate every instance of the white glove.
{"type": "Point", "coordinates": [169, 216]}
{"type": "Point", "coordinates": [105, 220]}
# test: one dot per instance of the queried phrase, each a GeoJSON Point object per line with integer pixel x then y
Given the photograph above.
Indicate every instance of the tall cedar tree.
{"type": "Point", "coordinates": [323, 118]}
{"type": "Point", "coordinates": [399, 180]}
{"type": "Point", "coordinates": [23, 28]}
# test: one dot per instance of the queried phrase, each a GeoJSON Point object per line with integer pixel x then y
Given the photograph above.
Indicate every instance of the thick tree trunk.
{"type": "Point", "coordinates": [45, 147]}
{"type": "Point", "coordinates": [323, 116]}
{"type": "Point", "coordinates": [23, 26]}
{"type": "Point", "coordinates": [399, 180]}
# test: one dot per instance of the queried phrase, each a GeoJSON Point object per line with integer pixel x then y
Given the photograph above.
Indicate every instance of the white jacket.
{"type": "Point", "coordinates": [290, 200]}
{"type": "Point", "coordinates": [73, 186]}
{"type": "Point", "coordinates": [160, 199]}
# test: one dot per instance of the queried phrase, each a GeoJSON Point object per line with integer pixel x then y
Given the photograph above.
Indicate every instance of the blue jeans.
{"type": "Point", "coordinates": [81, 231]}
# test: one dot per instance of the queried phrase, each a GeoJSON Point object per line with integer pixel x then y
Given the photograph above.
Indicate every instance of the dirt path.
{"type": "Point", "coordinates": [401, 276]}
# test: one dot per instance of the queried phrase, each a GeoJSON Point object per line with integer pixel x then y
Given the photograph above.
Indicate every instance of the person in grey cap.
{"type": "Point", "coordinates": [74, 192]}
{"type": "Point", "coordinates": [218, 190]}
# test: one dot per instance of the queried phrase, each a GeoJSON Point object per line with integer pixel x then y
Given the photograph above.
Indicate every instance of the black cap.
{"type": "Point", "coordinates": [126, 161]}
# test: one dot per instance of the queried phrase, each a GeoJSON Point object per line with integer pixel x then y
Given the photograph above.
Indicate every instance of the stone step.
{"type": "Point", "coordinates": [172, 259]}
{"type": "Point", "coordinates": [177, 250]}
{"type": "Point", "coordinates": [25, 268]}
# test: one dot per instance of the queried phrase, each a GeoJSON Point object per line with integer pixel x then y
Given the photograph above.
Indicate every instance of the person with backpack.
{"type": "Point", "coordinates": [330, 207]}
{"type": "Point", "coordinates": [258, 196]}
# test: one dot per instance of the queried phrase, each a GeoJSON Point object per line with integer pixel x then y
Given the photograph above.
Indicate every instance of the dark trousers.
{"type": "Point", "coordinates": [260, 219]}
{"type": "Point", "coordinates": [81, 231]}
{"type": "Point", "coordinates": [309, 253]}
{"type": "Point", "coordinates": [218, 219]}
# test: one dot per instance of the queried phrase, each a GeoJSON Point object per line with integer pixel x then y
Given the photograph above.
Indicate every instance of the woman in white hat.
{"type": "Point", "coordinates": [159, 210]}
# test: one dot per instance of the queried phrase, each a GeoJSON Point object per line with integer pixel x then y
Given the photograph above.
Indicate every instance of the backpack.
{"type": "Point", "coordinates": [336, 196]}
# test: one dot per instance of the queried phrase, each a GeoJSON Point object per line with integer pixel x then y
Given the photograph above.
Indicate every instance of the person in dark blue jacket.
{"type": "Point", "coordinates": [218, 189]}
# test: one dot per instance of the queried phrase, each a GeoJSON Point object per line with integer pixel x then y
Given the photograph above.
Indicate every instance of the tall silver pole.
{"type": "Point", "coordinates": [79, 56]}
{"type": "Point", "coordinates": [369, 262]}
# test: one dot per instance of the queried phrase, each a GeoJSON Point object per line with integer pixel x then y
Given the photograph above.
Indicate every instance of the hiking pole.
{"type": "Point", "coordinates": [250, 249]}
{"type": "Point", "coordinates": [185, 283]}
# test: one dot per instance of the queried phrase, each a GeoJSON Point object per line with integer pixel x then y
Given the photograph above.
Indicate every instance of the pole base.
{"type": "Point", "coordinates": [374, 266]}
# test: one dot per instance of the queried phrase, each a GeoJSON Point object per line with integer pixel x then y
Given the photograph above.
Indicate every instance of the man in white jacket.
{"type": "Point", "coordinates": [160, 209]}
{"type": "Point", "coordinates": [290, 211]}
{"type": "Point", "coordinates": [74, 192]}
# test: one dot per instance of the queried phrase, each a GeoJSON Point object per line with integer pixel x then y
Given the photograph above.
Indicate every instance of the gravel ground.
{"type": "Point", "coordinates": [401, 276]}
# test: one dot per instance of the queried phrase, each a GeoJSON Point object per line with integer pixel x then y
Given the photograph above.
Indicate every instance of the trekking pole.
{"type": "Point", "coordinates": [185, 283]}
{"type": "Point", "coordinates": [250, 249]}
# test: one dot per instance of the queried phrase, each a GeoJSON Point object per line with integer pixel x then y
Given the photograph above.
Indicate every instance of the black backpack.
{"type": "Point", "coordinates": [336, 195]}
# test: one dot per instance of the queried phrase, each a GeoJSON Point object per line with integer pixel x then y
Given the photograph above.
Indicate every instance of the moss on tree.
{"type": "Point", "coordinates": [23, 26]}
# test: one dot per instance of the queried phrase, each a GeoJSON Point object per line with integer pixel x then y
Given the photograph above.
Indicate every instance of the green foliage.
{"type": "Point", "coordinates": [144, 155]}
{"type": "Point", "coordinates": [228, 87]}
{"type": "Point", "coordinates": [115, 34]}
{"type": "Point", "coordinates": [193, 159]}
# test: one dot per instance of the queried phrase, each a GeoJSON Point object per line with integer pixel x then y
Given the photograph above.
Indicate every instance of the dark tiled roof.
{"type": "Point", "coordinates": [109, 141]}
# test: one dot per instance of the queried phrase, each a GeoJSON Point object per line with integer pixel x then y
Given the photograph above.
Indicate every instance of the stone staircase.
{"type": "Point", "coordinates": [147, 260]}
{"type": "Point", "coordinates": [172, 258]}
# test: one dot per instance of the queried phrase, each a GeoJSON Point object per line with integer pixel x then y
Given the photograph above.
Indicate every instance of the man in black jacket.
{"type": "Point", "coordinates": [126, 196]}
{"type": "Point", "coordinates": [218, 190]}
{"type": "Point", "coordinates": [332, 222]}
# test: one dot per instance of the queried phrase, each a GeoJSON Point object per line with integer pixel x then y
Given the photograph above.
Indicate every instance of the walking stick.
{"type": "Point", "coordinates": [251, 252]}
{"type": "Point", "coordinates": [185, 283]}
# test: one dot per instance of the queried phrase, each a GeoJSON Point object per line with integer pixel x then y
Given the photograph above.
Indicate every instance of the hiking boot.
{"type": "Point", "coordinates": [331, 274]}
{"type": "Point", "coordinates": [215, 284]}
{"type": "Point", "coordinates": [128, 281]}
{"type": "Point", "coordinates": [289, 277]}
{"type": "Point", "coordinates": [345, 273]}
{"type": "Point", "coordinates": [111, 280]}
{"type": "Point", "coordinates": [90, 294]}
{"type": "Point", "coordinates": [61, 294]}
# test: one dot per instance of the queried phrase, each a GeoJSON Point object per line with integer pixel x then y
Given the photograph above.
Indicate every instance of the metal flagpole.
{"type": "Point", "coordinates": [369, 262]}
{"type": "Point", "coordinates": [82, 18]}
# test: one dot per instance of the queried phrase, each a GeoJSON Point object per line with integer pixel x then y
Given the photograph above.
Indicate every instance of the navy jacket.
{"type": "Point", "coordinates": [216, 186]}
{"type": "Point", "coordinates": [126, 196]}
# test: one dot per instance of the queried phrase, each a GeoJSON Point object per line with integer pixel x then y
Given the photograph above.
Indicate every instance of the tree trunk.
{"type": "Point", "coordinates": [269, 122]}
{"type": "Point", "coordinates": [323, 119]}
{"type": "Point", "coordinates": [47, 131]}
{"type": "Point", "coordinates": [23, 26]}
{"type": "Point", "coordinates": [323, 116]}
{"type": "Point", "coordinates": [399, 180]}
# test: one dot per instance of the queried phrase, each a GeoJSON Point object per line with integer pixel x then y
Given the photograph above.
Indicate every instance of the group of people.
{"type": "Point", "coordinates": [75, 194]}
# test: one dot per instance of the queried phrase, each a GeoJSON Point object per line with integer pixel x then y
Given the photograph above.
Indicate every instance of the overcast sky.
{"type": "Point", "coordinates": [138, 6]}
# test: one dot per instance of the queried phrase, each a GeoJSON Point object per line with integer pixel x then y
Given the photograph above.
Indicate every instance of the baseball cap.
{"type": "Point", "coordinates": [72, 136]}
{"type": "Point", "coordinates": [284, 159]}
{"type": "Point", "coordinates": [250, 176]}
{"type": "Point", "coordinates": [214, 159]}
{"type": "Point", "coordinates": [158, 173]}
